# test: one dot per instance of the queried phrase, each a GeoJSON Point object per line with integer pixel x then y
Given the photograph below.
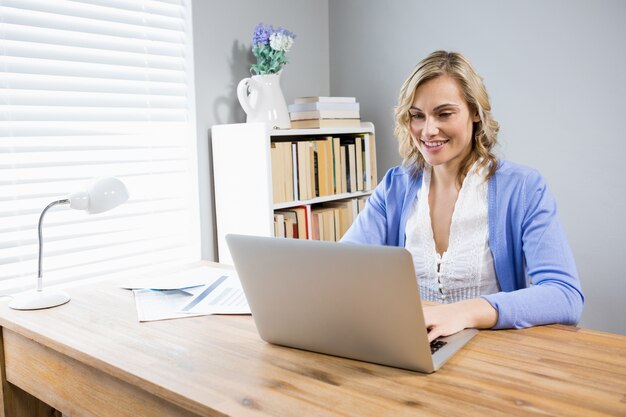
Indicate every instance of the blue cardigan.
{"type": "Point", "coordinates": [525, 238]}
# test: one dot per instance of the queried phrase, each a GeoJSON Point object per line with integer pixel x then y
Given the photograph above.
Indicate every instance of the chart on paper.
{"type": "Point", "coordinates": [200, 291]}
{"type": "Point", "coordinates": [223, 296]}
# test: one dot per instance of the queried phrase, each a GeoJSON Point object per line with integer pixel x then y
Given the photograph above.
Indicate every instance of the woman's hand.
{"type": "Point", "coordinates": [447, 319]}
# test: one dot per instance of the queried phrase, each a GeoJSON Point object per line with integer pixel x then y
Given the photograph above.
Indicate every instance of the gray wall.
{"type": "Point", "coordinates": [556, 74]}
{"type": "Point", "coordinates": [222, 33]}
{"type": "Point", "coordinates": [555, 70]}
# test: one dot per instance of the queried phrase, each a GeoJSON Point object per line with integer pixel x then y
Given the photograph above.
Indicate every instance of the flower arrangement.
{"type": "Point", "coordinates": [269, 46]}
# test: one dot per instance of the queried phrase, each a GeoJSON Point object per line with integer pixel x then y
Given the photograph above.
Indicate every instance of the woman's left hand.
{"type": "Point", "coordinates": [447, 319]}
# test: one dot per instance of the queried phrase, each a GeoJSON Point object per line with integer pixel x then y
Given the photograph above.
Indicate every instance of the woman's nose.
{"type": "Point", "coordinates": [430, 128]}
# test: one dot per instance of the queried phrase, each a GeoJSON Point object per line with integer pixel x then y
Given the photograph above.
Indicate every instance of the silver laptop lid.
{"type": "Point", "coordinates": [354, 301]}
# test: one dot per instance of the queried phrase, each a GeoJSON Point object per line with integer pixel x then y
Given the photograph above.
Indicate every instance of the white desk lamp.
{"type": "Point", "coordinates": [102, 194]}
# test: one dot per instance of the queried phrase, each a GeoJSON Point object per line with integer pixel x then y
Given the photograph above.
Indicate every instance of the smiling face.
{"type": "Point", "coordinates": [441, 122]}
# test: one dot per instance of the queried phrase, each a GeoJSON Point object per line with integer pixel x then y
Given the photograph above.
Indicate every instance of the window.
{"type": "Point", "coordinates": [96, 88]}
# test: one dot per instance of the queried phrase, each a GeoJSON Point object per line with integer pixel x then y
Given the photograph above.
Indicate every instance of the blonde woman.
{"type": "Point", "coordinates": [487, 246]}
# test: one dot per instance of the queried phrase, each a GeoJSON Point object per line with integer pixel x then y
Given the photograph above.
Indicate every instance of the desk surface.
{"type": "Point", "coordinates": [92, 357]}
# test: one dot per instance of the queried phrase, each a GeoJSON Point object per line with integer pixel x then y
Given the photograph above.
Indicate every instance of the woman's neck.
{"type": "Point", "coordinates": [445, 176]}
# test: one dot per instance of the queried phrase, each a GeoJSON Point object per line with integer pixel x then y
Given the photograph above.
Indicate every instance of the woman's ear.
{"type": "Point", "coordinates": [476, 117]}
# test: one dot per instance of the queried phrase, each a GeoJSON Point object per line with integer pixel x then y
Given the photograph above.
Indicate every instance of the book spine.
{"type": "Point", "coordinates": [302, 171]}
{"type": "Point", "coordinates": [313, 99]}
{"type": "Point", "coordinates": [358, 156]}
{"type": "Point", "coordinates": [278, 183]}
{"type": "Point", "coordinates": [294, 169]}
{"type": "Point", "coordinates": [324, 114]}
{"type": "Point", "coordinates": [293, 108]}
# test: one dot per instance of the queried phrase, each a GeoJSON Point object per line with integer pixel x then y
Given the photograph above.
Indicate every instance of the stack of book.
{"type": "Point", "coordinates": [291, 222]}
{"type": "Point", "coordinates": [317, 112]}
{"type": "Point", "coordinates": [322, 166]}
{"type": "Point", "coordinates": [329, 220]}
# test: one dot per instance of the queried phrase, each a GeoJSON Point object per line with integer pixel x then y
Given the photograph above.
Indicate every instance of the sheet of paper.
{"type": "Point", "coordinates": [200, 291]}
{"type": "Point", "coordinates": [163, 304]}
{"type": "Point", "coordinates": [224, 296]}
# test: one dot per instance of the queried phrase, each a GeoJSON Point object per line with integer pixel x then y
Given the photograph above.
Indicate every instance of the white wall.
{"type": "Point", "coordinates": [556, 74]}
{"type": "Point", "coordinates": [222, 39]}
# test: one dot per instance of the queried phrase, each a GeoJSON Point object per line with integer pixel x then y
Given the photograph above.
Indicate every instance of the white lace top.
{"type": "Point", "coordinates": [466, 269]}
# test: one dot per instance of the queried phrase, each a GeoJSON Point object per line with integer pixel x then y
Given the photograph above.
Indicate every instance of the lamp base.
{"type": "Point", "coordinates": [35, 300]}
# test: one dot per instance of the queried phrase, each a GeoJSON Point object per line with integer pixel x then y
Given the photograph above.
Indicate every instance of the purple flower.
{"type": "Point", "coordinates": [285, 32]}
{"type": "Point", "coordinates": [262, 34]}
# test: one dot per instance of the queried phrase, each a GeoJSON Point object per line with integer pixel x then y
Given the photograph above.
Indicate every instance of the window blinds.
{"type": "Point", "coordinates": [96, 88]}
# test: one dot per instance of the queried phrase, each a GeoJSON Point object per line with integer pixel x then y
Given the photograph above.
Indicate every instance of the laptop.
{"type": "Point", "coordinates": [355, 301]}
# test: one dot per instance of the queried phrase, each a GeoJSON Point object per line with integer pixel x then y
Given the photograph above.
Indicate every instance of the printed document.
{"type": "Point", "coordinates": [195, 292]}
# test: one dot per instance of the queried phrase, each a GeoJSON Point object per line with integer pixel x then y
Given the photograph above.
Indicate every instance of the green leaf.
{"type": "Point", "coordinates": [269, 61]}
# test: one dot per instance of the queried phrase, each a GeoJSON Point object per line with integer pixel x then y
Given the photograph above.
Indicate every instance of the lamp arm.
{"type": "Point", "coordinates": [54, 203]}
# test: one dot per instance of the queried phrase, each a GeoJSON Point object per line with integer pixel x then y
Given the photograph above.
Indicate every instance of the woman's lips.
{"type": "Point", "coordinates": [433, 145]}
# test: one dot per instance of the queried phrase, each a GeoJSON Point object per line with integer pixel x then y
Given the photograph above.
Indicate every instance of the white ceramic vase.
{"type": "Point", "coordinates": [263, 100]}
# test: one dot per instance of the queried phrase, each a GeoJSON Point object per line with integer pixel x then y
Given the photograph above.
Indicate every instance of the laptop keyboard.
{"type": "Point", "coordinates": [435, 345]}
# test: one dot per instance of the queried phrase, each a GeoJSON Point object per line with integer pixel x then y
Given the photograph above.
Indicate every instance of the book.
{"type": "Point", "coordinates": [337, 166]}
{"type": "Point", "coordinates": [282, 172]}
{"type": "Point", "coordinates": [278, 180]}
{"type": "Point", "coordinates": [315, 172]}
{"type": "Point", "coordinates": [291, 222]}
{"type": "Point", "coordinates": [323, 223]}
{"type": "Point", "coordinates": [279, 225]}
{"type": "Point", "coordinates": [364, 165]}
{"type": "Point", "coordinates": [325, 114]}
{"type": "Point", "coordinates": [349, 148]}
{"type": "Point", "coordinates": [287, 169]}
{"type": "Point", "coordinates": [312, 174]}
{"type": "Point", "coordinates": [296, 218]}
{"type": "Point", "coordinates": [353, 206]}
{"type": "Point", "coordinates": [330, 165]}
{"type": "Point", "coordinates": [371, 175]}
{"type": "Point", "coordinates": [331, 99]}
{"type": "Point", "coordinates": [294, 171]}
{"type": "Point", "coordinates": [318, 123]}
{"type": "Point", "coordinates": [329, 225]}
{"type": "Point", "coordinates": [302, 221]}
{"type": "Point", "coordinates": [358, 154]}
{"type": "Point", "coordinates": [342, 168]}
{"type": "Point", "coordinates": [351, 158]}
{"type": "Point", "coordinates": [289, 227]}
{"type": "Point", "coordinates": [361, 201]}
{"type": "Point", "coordinates": [337, 224]}
{"type": "Point", "coordinates": [343, 216]}
{"type": "Point", "coordinates": [303, 171]}
{"type": "Point", "coordinates": [318, 152]}
{"type": "Point", "coordinates": [317, 226]}
{"type": "Point", "coordinates": [324, 177]}
{"type": "Point", "coordinates": [293, 108]}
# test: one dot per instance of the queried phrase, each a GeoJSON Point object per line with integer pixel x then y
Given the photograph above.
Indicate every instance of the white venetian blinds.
{"type": "Point", "coordinates": [96, 88]}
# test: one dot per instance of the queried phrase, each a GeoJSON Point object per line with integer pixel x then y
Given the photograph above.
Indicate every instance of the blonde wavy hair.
{"type": "Point", "coordinates": [485, 132]}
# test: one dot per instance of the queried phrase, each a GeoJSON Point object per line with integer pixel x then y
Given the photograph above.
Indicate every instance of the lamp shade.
{"type": "Point", "coordinates": [102, 194]}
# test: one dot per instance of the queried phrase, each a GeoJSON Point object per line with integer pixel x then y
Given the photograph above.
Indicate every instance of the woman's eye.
{"type": "Point", "coordinates": [445, 114]}
{"type": "Point", "coordinates": [416, 115]}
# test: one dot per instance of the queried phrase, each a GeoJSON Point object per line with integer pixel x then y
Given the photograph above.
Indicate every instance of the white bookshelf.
{"type": "Point", "coordinates": [242, 177]}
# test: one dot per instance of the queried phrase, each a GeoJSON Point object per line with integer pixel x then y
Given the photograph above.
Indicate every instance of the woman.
{"type": "Point", "coordinates": [485, 239]}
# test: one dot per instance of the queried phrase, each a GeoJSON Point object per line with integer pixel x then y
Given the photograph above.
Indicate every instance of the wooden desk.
{"type": "Point", "coordinates": [92, 357]}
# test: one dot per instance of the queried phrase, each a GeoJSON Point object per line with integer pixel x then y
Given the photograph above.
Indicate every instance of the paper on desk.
{"type": "Point", "coordinates": [196, 292]}
{"type": "Point", "coordinates": [224, 296]}
{"type": "Point", "coordinates": [162, 304]}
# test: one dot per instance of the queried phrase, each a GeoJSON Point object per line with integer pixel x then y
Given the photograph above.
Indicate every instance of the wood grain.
{"type": "Point", "coordinates": [85, 390]}
{"type": "Point", "coordinates": [17, 402]}
{"type": "Point", "coordinates": [218, 365]}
